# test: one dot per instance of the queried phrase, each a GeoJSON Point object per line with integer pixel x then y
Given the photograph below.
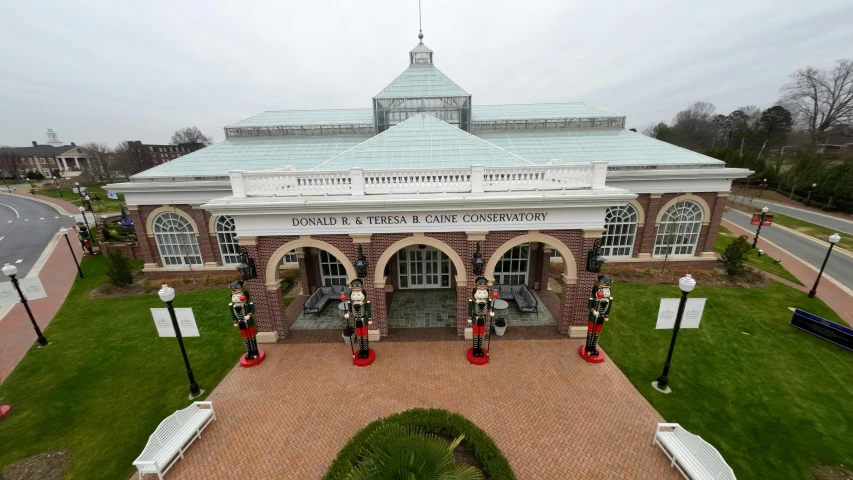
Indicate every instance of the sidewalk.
{"type": "Point", "coordinates": [16, 331]}
{"type": "Point", "coordinates": [833, 295]}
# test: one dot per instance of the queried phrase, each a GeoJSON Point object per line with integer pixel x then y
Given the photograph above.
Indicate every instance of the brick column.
{"type": "Point", "coordinates": [312, 260]}
{"type": "Point", "coordinates": [269, 305]}
{"type": "Point", "coordinates": [573, 311]}
{"type": "Point", "coordinates": [545, 274]}
{"type": "Point", "coordinates": [302, 257]}
{"type": "Point", "coordinates": [141, 235]}
{"type": "Point", "coordinates": [645, 241]}
{"type": "Point", "coordinates": [534, 272]}
{"type": "Point", "coordinates": [713, 228]}
{"type": "Point", "coordinates": [208, 246]}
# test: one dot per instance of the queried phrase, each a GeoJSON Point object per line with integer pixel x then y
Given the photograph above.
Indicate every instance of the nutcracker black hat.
{"type": "Point", "coordinates": [604, 280]}
{"type": "Point", "coordinates": [356, 284]}
{"type": "Point", "coordinates": [480, 283]}
{"type": "Point", "coordinates": [236, 284]}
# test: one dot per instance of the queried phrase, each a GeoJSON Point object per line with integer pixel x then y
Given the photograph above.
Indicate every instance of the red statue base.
{"type": "Point", "coordinates": [252, 363]}
{"type": "Point", "coordinates": [478, 360]}
{"type": "Point", "coordinates": [363, 362]}
{"type": "Point", "coordinates": [4, 410]}
{"type": "Point", "coordinates": [591, 358]}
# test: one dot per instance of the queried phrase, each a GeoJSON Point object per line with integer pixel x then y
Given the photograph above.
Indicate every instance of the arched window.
{"type": "Point", "coordinates": [225, 236]}
{"type": "Point", "coordinates": [512, 268]}
{"type": "Point", "coordinates": [679, 229]}
{"type": "Point", "coordinates": [176, 240]}
{"type": "Point", "coordinates": [332, 271]}
{"type": "Point", "coordinates": [621, 225]}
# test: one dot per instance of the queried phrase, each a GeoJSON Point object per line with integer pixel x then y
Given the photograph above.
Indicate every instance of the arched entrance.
{"type": "Point", "coordinates": [324, 273]}
{"type": "Point", "coordinates": [421, 276]}
{"type": "Point", "coordinates": [519, 270]}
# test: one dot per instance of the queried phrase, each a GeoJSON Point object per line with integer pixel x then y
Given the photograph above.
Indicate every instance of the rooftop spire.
{"type": "Point", "coordinates": [420, 26]}
{"type": "Point", "coordinates": [421, 54]}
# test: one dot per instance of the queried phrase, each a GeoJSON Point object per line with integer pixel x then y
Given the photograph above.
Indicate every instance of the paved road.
{"type": "Point", "coordinates": [838, 224]}
{"type": "Point", "coordinates": [840, 266]}
{"type": "Point", "coordinates": [26, 227]}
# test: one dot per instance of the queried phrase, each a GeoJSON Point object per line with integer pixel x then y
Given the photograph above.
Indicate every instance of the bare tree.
{"type": "Point", "coordinates": [821, 99]}
{"type": "Point", "coordinates": [130, 158]}
{"type": "Point", "coordinates": [694, 124]}
{"type": "Point", "coordinates": [10, 162]}
{"type": "Point", "coordinates": [190, 135]}
{"type": "Point", "coordinates": [98, 153]}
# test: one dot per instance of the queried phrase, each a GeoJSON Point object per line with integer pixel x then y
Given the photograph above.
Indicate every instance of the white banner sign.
{"type": "Point", "coordinates": [669, 310]}
{"type": "Point", "coordinates": [186, 322]}
{"type": "Point", "coordinates": [112, 195]}
{"type": "Point", "coordinates": [32, 288]}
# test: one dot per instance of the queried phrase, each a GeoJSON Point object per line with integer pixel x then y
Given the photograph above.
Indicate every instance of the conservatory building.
{"type": "Point", "coordinates": [417, 183]}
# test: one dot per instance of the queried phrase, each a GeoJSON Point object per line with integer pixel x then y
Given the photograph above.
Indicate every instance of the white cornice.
{"type": "Point", "coordinates": [428, 202]}
{"type": "Point", "coordinates": [678, 174]}
{"type": "Point", "coordinates": [158, 187]}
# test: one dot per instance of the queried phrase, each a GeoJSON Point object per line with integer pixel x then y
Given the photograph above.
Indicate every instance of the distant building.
{"type": "Point", "coordinates": [160, 154]}
{"type": "Point", "coordinates": [54, 155]}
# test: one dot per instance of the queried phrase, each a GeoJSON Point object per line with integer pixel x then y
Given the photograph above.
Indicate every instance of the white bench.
{"type": "Point", "coordinates": [172, 438]}
{"type": "Point", "coordinates": [693, 457]}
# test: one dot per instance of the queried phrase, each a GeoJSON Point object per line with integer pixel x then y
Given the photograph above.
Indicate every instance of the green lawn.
{"type": "Point", "coordinates": [107, 380]}
{"type": "Point", "coordinates": [773, 400]}
{"type": "Point", "coordinates": [764, 262]}
{"type": "Point", "coordinates": [105, 205]}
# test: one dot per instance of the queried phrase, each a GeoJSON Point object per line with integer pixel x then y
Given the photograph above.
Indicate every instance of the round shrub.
{"type": "Point", "coordinates": [439, 422]}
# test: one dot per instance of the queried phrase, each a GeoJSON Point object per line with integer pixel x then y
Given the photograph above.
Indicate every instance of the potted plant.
{"type": "Point", "coordinates": [500, 326]}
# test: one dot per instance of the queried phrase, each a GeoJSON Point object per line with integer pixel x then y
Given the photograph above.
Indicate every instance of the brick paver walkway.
{"type": "Point", "coordinates": [553, 415]}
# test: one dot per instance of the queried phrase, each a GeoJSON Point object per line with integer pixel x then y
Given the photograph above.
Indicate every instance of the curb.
{"type": "Point", "coordinates": [807, 237]}
{"type": "Point", "coordinates": [35, 199]}
{"type": "Point", "coordinates": [798, 208]}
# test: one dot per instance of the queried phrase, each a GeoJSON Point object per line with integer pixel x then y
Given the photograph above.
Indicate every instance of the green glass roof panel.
{"type": "Point", "coordinates": [352, 116]}
{"type": "Point", "coordinates": [485, 113]}
{"type": "Point", "coordinates": [422, 80]}
{"type": "Point", "coordinates": [617, 147]}
{"type": "Point", "coordinates": [302, 153]}
{"type": "Point", "coordinates": [422, 141]}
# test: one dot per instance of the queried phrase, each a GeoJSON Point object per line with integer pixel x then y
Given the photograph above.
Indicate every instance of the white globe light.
{"type": "Point", "coordinates": [9, 270]}
{"type": "Point", "coordinates": [834, 238]}
{"type": "Point", "coordinates": [81, 209]}
{"type": "Point", "coordinates": [166, 293]}
{"type": "Point", "coordinates": [687, 283]}
{"type": "Point", "coordinates": [63, 231]}
{"type": "Point", "coordinates": [765, 209]}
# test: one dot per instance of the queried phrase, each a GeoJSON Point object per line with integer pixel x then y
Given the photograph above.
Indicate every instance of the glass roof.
{"type": "Point", "coordinates": [422, 141]}
{"type": "Point", "coordinates": [617, 147]}
{"type": "Point", "coordinates": [422, 80]}
{"type": "Point", "coordinates": [482, 113]}
{"type": "Point", "coordinates": [302, 153]}
{"type": "Point", "coordinates": [308, 117]}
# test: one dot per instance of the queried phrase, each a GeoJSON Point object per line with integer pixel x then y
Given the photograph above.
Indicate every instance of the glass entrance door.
{"type": "Point", "coordinates": [423, 268]}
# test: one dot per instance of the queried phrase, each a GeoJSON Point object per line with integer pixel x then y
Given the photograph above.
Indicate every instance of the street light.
{"type": "Point", "coordinates": [760, 223]}
{"type": "Point", "coordinates": [167, 294]}
{"type": "Point", "coordinates": [763, 186]}
{"type": "Point", "coordinates": [833, 239]}
{"type": "Point", "coordinates": [10, 271]}
{"type": "Point", "coordinates": [686, 284]}
{"type": "Point", "coordinates": [79, 190]}
{"type": "Point", "coordinates": [809, 196]}
{"type": "Point", "coordinates": [58, 186]}
{"type": "Point", "coordinates": [88, 231]}
{"type": "Point", "coordinates": [64, 232]}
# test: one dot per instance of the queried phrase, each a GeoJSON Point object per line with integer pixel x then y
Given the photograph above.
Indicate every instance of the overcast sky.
{"type": "Point", "coordinates": [111, 71]}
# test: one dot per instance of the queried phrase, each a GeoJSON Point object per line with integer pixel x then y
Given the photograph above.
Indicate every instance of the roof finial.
{"type": "Point", "coordinates": [420, 27]}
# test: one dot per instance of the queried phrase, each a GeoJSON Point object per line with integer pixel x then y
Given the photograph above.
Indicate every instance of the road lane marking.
{"type": "Point", "coordinates": [13, 209]}
{"type": "Point", "coordinates": [1, 238]}
{"type": "Point", "coordinates": [42, 218]}
{"type": "Point", "coordinates": [26, 219]}
{"type": "Point", "coordinates": [805, 236]}
{"type": "Point", "coordinates": [19, 260]}
{"type": "Point", "coordinates": [55, 217]}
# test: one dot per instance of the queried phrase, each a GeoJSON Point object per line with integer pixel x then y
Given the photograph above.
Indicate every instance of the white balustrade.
{"type": "Point", "coordinates": [475, 179]}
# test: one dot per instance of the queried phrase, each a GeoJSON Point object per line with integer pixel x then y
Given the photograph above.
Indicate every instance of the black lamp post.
{"type": "Point", "coordinates": [79, 189]}
{"type": "Point", "coordinates": [10, 271]}
{"type": "Point", "coordinates": [478, 265]}
{"type": "Point", "coordinates": [763, 186]}
{"type": "Point", "coordinates": [760, 223]}
{"type": "Point", "coordinates": [809, 196]}
{"type": "Point", "coordinates": [64, 232]}
{"type": "Point", "coordinates": [360, 264]}
{"type": "Point", "coordinates": [833, 239]}
{"type": "Point", "coordinates": [88, 231]}
{"type": "Point", "coordinates": [686, 284]}
{"type": "Point", "coordinates": [167, 294]}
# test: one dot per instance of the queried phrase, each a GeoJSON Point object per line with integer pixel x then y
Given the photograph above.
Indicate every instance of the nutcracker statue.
{"type": "Point", "coordinates": [599, 306]}
{"type": "Point", "coordinates": [358, 309]}
{"type": "Point", "coordinates": [243, 313]}
{"type": "Point", "coordinates": [480, 311]}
